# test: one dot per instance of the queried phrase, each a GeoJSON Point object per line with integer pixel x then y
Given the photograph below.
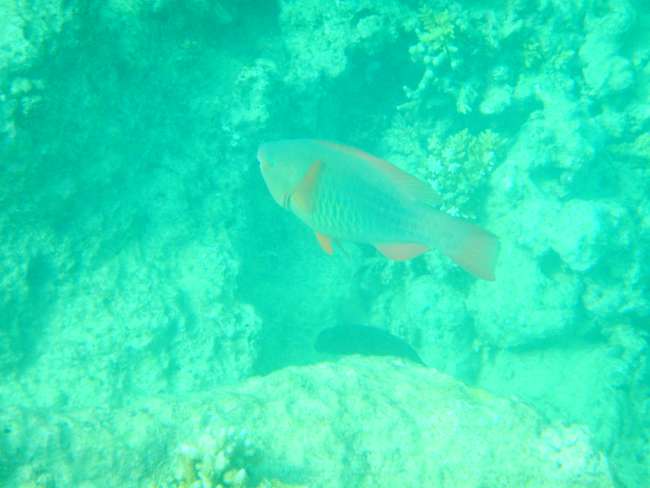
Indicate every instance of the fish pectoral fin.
{"type": "Point", "coordinates": [325, 243]}
{"type": "Point", "coordinates": [401, 251]}
{"type": "Point", "coordinates": [302, 197]}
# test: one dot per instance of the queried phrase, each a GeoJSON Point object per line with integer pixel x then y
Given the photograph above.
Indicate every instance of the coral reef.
{"type": "Point", "coordinates": [139, 257]}
{"type": "Point", "coordinates": [564, 90]}
{"type": "Point", "coordinates": [604, 70]}
{"type": "Point", "coordinates": [25, 30]}
{"type": "Point", "coordinates": [460, 166]}
{"type": "Point", "coordinates": [219, 459]}
{"type": "Point", "coordinates": [434, 320]}
{"type": "Point", "coordinates": [455, 45]}
{"type": "Point", "coordinates": [319, 426]}
{"type": "Point", "coordinates": [320, 36]}
{"type": "Point", "coordinates": [127, 263]}
{"type": "Point", "coordinates": [551, 312]}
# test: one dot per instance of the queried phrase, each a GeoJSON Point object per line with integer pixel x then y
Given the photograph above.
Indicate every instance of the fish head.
{"type": "Point", "coordinates": [283, 165]}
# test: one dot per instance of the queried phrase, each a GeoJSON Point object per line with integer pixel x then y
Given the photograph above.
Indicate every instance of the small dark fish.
{"type": "Point", "coordinates": [362, 339]}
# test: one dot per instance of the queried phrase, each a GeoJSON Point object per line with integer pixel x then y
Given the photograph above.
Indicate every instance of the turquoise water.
{"type": "Point", "coordinates": [158, 309]}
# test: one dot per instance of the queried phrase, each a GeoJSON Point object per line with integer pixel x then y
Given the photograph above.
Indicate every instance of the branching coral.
{"type": "Point", "coordinates": [460, 166]}
{"type": "Point", "coordinates": [639, 148]}
{"type": "Point", "coordinates": [219, 459]}
{"type": "Point", "coordinates": [439, 31]}
{"type": "Point", "coordinates": [435, 46]}
{"type": "Point", "coordinates": [448, 40]}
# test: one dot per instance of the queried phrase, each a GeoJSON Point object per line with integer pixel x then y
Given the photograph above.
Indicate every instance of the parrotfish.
{"type": "Point", "coordinates": [365, 340]}
{"type": "Point", "coordinates": [345, 194]}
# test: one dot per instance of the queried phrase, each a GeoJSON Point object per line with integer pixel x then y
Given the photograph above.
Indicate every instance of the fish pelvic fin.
{"type": "Point", "coordinates": [325, 243]}
{"type": "Point", "coordinates": [472, 248]}
{"type": "Point", "coordinates": [401, 251]}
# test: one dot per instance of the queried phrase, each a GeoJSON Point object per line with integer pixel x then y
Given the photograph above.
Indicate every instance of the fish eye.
{"type": "Point", "coordinates": [264, 164]}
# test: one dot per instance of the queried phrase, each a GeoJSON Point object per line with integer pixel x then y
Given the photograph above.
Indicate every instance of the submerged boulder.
{"type": "Point", "coordinates": [363, 422]}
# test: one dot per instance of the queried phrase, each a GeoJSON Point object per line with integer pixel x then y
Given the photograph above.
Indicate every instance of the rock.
{"type": "Point", "coordinates": [497, 99]}
{"type": "Point", "coordinates": [540, 377]}
{"type": "Point", "coordinates": [432, 318]}
{"type": "Point", "coordinates": [605, 72]}
{"type": "Point", "coordinates": [579, 233]}
{"type": "Point", "coordinates": [358, 422]}
{"type": "Point", "coordinates": [318, 36]}
{"type": "Point", "coordinates": [524, 306]}
{"type": "Point", "coordinates": [251, 90]}
{"type": "Point", "coordinates": [25, 27]}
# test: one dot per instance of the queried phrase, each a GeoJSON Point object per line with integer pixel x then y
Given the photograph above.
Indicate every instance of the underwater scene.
{"type": "Point", "coordinates": [325, 243]}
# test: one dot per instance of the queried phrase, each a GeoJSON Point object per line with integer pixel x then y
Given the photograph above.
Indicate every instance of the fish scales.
{"type": "Point", "coordinates": [352, 208]}
{"type": "Point", "coordinates": [343, 193]}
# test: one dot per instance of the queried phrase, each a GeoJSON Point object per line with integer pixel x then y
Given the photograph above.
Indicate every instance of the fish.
{"type": "Point", "coordinates": [365, 340]}
{"type": "Point", "coordinates": [345, 194]}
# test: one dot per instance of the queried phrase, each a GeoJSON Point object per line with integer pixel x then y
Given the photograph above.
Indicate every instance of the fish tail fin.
{"type": "Point", "coordinates": [471, 247]}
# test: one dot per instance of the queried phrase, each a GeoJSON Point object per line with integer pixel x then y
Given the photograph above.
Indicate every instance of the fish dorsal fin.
{"type": "Point", "coordinates": [325, 243]}
{"type": "Point", "coordinates": [401, 251]}
{"type": "Point", "coordinates": [302, 198]}
{"type": "Point", "coordinates": [408, 185]}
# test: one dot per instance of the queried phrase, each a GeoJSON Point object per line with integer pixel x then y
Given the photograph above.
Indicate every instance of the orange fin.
{"type": "Point", "coordinates": [471, 247]}
{"type": "Point", "coordinates": [302, 198]}
{"type": "Point", "coordinates": [477, 253]}
{"type": "Point", "coordinates": [325, 242]}
{"type": "Point", "coordinates": [408, 185]}
{"type": "Point", "coordinates": [401, 251]}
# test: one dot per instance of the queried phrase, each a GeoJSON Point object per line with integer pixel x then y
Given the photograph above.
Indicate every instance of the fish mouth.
{"type": "Point", "coordinates": [286, 201]}
{"type": "Point", "coordinates": [265, 166]}
{"type": "Point", "coordinates": [261, 154]}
